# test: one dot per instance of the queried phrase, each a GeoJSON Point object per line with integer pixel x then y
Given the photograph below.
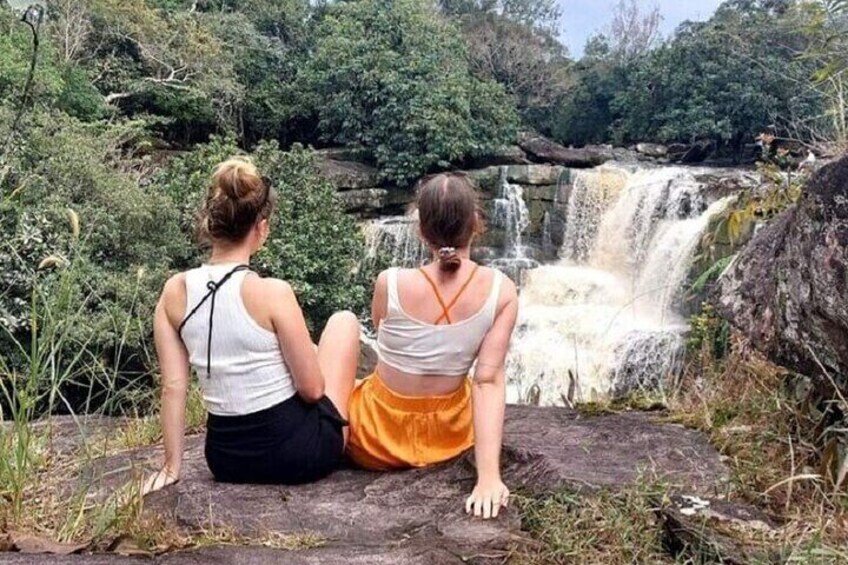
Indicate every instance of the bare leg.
{"type": "Point", "coordinates": [338, 354]}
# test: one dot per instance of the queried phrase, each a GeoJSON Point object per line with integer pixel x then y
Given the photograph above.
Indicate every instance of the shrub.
{"type": "Point", "coordinates": [63, 165]}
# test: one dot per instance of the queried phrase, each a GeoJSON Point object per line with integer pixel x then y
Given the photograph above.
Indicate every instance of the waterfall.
{"type": "Point", "coordinates": [591, 194]}
{"type": "Point", "coordinates": [604, 320]}
{"type": "Point", "coordinates": [547, 233]}
{"type": "Point", "coordinates": [394, 241]}
{"type": "Point", "coordinates": [513, 217]}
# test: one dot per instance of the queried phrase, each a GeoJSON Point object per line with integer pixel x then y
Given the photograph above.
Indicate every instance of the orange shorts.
{"type": "Point", "coordinates": [389, 431]}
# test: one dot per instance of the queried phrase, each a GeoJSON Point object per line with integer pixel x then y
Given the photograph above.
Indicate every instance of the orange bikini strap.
{"type": "Point", "coordinates": [445, 314]}
{"type": "Point", "coordinates": [447, 308]}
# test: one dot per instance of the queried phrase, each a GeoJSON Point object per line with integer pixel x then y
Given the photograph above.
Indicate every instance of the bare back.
{"type": "Point", "coordinates": [419, 301]}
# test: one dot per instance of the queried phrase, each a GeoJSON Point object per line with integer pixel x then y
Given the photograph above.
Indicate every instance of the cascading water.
{"type": "Point", "coordinates": [511, 215]}
{"type": "Point", "coordinates": [547, 233]}
{"type": "Point", "coordinates": [603, 320]}
{"type": "Point", "coordinates": [395, 240]}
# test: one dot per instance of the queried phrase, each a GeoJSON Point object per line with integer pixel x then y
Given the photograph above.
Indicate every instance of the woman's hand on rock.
{"type": "Point", "coordinates": [159, 480]}
{"type": "Point", "coordinates": [487, 499]}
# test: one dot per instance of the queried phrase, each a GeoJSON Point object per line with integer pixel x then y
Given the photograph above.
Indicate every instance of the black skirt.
{"type": "Point", "coordinates": [291, 443]}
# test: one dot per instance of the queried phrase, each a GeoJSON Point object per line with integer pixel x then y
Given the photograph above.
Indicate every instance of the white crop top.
{"type": "Point", "coordinates": [412, 346]}
{"type": "Point", "coordinates": [247, 372]}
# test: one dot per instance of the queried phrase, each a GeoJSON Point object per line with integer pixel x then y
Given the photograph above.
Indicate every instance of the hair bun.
{"type": "Point", "coordinates": [449, 260]}
{"type": "Point", "coordinates": [237, 197]}
{"type": "Point", "coordinates": [237, 178]}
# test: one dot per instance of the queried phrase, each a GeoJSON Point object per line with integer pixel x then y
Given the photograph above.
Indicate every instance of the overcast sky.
{"type": "Point", "coordinates": [582, 18]}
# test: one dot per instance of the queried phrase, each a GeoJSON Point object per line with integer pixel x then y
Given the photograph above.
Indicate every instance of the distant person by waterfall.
{"type": "Point", "coordinates": [433, 325]}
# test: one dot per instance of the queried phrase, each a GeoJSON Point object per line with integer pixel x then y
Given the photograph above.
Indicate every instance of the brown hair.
{"type": "Point", "coordinates": [449, 216]}
{"type": "Point", "coordinates": [237, 199]}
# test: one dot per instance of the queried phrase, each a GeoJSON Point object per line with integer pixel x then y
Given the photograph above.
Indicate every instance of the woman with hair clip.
{"type": "Point", "coordinates": [277, 403]}
{"type": "Point", "coordinates": [433, 324]}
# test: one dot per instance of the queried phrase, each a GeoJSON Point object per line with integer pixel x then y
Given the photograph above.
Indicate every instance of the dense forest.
{"type": "Point", "coordinates": [112, 113]}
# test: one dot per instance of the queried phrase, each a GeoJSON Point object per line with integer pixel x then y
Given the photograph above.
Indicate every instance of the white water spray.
{"type": "Point", "coordinates": [603, 320]}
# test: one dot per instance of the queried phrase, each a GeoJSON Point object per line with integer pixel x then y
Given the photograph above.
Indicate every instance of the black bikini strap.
{"type": "Point", "coordinates": [213, 291]}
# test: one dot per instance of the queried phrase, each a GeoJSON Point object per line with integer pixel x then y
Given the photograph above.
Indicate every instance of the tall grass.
{"type": "Point", "coordinates": [39, 492]}
{"type": "Point", "coordinates": [32, 383]}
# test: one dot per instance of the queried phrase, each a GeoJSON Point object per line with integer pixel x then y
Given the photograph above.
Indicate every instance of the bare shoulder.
{"type": "Point", "coordinates": [173, 299]}
{"type": "Point", "coordinates": [382, 279]}
{"type": "Point", "coordinates": [268, 289]}
{"type": "Point", "coordinates": [509, 291]}
{"type": "Point", "coordinates": [174, 286]}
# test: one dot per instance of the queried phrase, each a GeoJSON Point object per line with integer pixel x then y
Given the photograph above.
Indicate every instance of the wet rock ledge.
{"type": "Point", "coordinates": [414, 516]}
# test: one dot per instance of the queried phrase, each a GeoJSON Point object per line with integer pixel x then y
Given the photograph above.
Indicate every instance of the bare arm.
{"type": "Point", "coordinates": [295, 342]}
{"type": "Point", "coordinates": [489, 402]}
{"type": "Point", "coordinates": [380, 301]}
{"type": "Point", "coordinates": [175, 374]}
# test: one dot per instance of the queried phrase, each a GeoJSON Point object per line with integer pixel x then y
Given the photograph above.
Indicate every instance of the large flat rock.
{"type": "Point", "coordinates": [245, 555]}
{"type": "Point", "coordinates": [417, 516]}
{"type": "Point", "coordinates": [544, 150]}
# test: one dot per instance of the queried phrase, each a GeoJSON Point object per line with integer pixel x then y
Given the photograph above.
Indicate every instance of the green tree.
{"type": "Point", "coordinates": [584, 113]}
{"type": "Point", "coordinates": [724, 80]}
{"type": "Point", "coordinates": [514, 43]}
{"type": "Point", "coordinates": [69, 169]}
{"type": "Point", "coordinates": [162, 60]}
{"type": "Point", "coordinates": [538, 14]}
{"type": "Point", "coordinates": [274, 40]}
{"type": "Point", "coordinates": [391, 77]}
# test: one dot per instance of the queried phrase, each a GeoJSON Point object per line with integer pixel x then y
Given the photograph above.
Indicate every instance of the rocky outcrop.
{"type": "Point", "coordinates": [698, 152]}
{"type": "Point", "coordinates": [535, 175]}
{"type": "Point", "coordinates": [509, 155]}
{"type": "Point", "coordinates": [542, 149]}
{"type": "Point", "coordinates": [719, 531]}
{"type": "Point", "coordinates": [348, 175]}
{"type": "Point", "coordinates": [654, 150]}
{"type": "Point", "coordinates": [529, 176]}
{"type": "Point", "coordinates": [787, 290]}
{"type": "Point", "coordinates": [372, 202]}
{"type": "Point", "coordinates": [413, 516]}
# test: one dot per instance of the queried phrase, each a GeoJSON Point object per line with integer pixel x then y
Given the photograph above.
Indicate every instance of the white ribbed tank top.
{"type": "Point", "coordinates": [247, 370]}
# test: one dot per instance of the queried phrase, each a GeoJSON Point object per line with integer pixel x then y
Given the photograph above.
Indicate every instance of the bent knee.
{"type": "Point", "coordinates": [345, 319]}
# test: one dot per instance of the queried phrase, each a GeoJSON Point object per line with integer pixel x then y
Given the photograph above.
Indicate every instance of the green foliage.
{"type": "Point", "coordinates": [710, 275]}
{"type": "Point", "coordinates": [391, 78]}
{"type": "Point", "coordinates": [275, 38]}
{"type": "Point", "coordinates": [313, 244]}
{"type": "Point", "coordinates": [585, 114]}
{"type": "Point", "coordinates": [514, 43]}
{"type": "Point", "coordinates": [79, 97]}
{"type": "Point", "coordinates": [710, 334]}
{"type": "Point", "coordinates": [536, 14]}
{"type": "Point", "coordinates": [727, 81]}
{"type": "Point", "coordinates": [119, 262]}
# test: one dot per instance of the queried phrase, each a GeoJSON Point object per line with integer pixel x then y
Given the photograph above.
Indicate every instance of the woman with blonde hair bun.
{"type": "Point", "coordinates": [277, 404]}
